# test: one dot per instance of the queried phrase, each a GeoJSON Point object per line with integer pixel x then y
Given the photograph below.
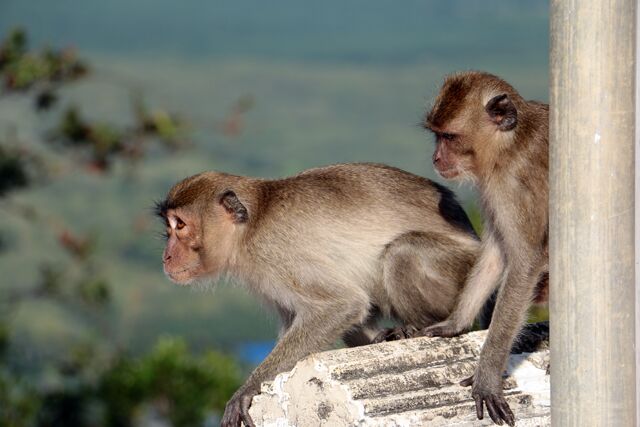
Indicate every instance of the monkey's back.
{"type": "Point", "coordinates": [337, 220]}
{"type": "Point", "coordinates": [359, 187]}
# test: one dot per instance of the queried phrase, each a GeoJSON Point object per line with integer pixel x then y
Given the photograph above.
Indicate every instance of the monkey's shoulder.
{"type": "Point", "coordinates": [371, 174]}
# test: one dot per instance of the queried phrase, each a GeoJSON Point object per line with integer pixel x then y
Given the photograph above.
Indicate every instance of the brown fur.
{"type": "Point", "coordinates": [331, 249]}
{"type": "Point", "coordinates": [486, 132]}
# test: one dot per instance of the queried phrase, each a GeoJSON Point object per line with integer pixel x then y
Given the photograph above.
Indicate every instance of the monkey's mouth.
{"type": "Point", "coordinates": [448, 173]}
{"type": "Point", "coordinates": [183, 276]}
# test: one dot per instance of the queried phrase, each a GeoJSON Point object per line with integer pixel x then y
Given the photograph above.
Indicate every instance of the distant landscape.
{"type": "Point", "coordinates": [327, 82]}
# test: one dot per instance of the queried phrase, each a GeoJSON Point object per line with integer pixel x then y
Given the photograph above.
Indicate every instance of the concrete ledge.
{"type": "Point", "coordinates": [404, 383]}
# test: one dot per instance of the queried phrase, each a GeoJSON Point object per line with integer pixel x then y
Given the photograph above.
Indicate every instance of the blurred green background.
{"type": "Point", "coordinates": [105, 104]}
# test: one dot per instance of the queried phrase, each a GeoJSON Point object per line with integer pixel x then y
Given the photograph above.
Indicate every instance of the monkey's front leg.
{"type": "Point", "coordinates": [510, 313]}
{"type": "Point", "coordinates": [313, 329]}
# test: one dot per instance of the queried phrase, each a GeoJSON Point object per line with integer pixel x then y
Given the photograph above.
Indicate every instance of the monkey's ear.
{"type": "Point", "coordinates": [502, 112]}
{"type": "Point", "coordinates": [234, 207]}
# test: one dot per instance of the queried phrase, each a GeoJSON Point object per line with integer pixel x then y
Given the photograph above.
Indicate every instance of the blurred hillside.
{"type": "Point", "coordinates": [268, 89]}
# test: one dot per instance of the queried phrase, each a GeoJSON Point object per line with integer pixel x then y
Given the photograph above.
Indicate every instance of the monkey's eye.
{"type": "Point", "coordinates": [446, 136]}
{"type": "Point", "coordinates": [180, 224]}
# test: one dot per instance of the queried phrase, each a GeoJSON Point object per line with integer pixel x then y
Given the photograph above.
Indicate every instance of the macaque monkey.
{"type": "Point", "coordinates": [331, 249]}
{"type": "Point", "coordinates": [487, 133]}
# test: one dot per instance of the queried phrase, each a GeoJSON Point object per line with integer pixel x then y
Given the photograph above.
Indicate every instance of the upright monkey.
{"type": "Point", "coordinates": [331, 249]}
{"type": "Point", "coordinates": [487, 133]}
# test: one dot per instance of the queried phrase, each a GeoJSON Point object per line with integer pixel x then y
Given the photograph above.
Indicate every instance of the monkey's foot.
{"type": "Point", "coordinates": [237, 410]}
{"type": "Point", "coordinates": [444, 329]}
{"type": "Point", "coordinates": [497, 406]}
{"type": "Point", "coordinates": [395, 334]}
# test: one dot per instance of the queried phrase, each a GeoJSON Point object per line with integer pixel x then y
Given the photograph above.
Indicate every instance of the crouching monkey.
{"type": "Point", "coordinates": [332, 249]}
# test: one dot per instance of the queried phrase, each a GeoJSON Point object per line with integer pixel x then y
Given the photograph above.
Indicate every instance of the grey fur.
{"type": "Point", "coordinates": [333, 249]}
{"type": "Point", "coordinates": [509, 164]}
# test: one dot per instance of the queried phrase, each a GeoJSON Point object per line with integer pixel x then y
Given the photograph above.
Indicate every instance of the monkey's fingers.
{"type": "Point", "coordinates": [231, 417]}
{"type": "Point", "coordinates": [441, 330]}
{"type": "Point", "coordinates": [394, 334]}
{"type": "Point", "coordinates": [479, 407]}
{"type": "Point", "coordinates": [410, 331]}
{"type": "Point", "coordinates": [245, 404]}
{"type": "Point", "coordinates": [503, 410]}
{"type": "Point", "coordinates": [382, 336]}
{"type": "Point", "coordinates": [467, 382]}
{"type": "Point", "coordinates": [497, 408]}
{"type": "Point", "coordinates": [404, 332]}
{"type": "Point", "coordinates": [494, 413]}
{"type": "Point", "coordinates": [246, 419]}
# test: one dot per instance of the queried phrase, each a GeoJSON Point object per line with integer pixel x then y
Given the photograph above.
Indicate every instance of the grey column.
{"type": "Point", "coordinates": [592, 213]}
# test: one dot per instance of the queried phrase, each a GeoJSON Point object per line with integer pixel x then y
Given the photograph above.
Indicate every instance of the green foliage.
{"type": "Point", "coordinates": [18, 403]}
{"type": "Point", "coordinates": [94, 292]}
{"type": "Point", "coordinates": [169, 128]}
{"type": "Point", "coordinates": [169, 381]}
{"type": "Point", "coordinates": [22, 69]}
{"type": "Point", "coordinates": [183, 386]}
{"type": "Point", "coordinates": [4, 339]}
{"type": "Point", "coordinates": [95, 383]}
{"type": "Point", "coordinates": [13, 47]}
{"type": "Point", "coordinates": [104, 141]}
{"type": "Point", "coordinates": [538, 314]}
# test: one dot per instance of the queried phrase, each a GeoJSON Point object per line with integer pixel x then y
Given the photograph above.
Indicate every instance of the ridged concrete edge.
{"type": "Point", "coordinates": [403, 383]}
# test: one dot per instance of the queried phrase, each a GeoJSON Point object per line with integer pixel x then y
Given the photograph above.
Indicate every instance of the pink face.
{"type": "Point", "coordinates": [181, 258]}
{"type": "Point", "coordinates": [468, 133]}
{"type": "Point", "coordinates": [451, 158]}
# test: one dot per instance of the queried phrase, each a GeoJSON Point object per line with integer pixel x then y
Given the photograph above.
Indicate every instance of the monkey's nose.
{"type": "Point", "coordinates": [436, 157]}
{"type": "Point", "coordinates": [166, 258]}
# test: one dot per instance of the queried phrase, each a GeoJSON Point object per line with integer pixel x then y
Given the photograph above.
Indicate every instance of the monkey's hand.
{"type": "Point", "coordinates": [445, 329]}
{"type": "Point", "coordinates": [237, 409]}
{"type": "Point", "coordinates": [395, 334]}
{"type": "Point", "coordinates": [488, 392]}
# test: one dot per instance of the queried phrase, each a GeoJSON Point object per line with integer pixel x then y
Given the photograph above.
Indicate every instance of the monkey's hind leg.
{"type": "Point", "coordinates": [364, 333]}
{"type": "Point", "coordinates": [423, 273]}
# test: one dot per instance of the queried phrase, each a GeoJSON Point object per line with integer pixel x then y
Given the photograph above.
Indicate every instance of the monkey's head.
{"type": "Point", "coordinates": [203, 217]}
{"type": "Point", "coordinates": [473, 118]}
